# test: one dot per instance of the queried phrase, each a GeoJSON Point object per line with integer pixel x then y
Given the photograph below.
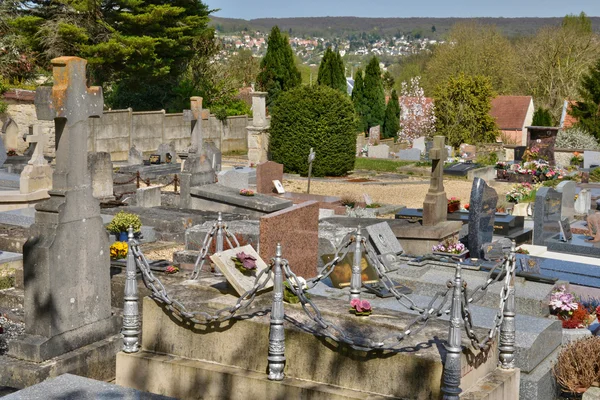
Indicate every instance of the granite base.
{"type": "Point", "coordinates": [418, 240]}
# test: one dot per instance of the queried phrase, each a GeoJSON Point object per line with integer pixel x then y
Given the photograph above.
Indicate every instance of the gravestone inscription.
{"type": "Point", "coordinates": [546, 214]}
{"type": "Point", "coordinates": [565, 230]}
{"type": "Point", "coordinates": [482, 213]}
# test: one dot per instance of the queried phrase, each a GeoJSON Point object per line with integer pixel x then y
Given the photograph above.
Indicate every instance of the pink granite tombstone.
{"type": "Point", "coordinates": [374, 135]}
{"type": "Point", "coordinates": [297, 229]}
{"type": "Point", "coordinates": [266, 173]}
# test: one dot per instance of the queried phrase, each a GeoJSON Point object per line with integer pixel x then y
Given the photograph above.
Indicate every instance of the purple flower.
{"type": "Point", "coordinates": [248, 261]}
{"type": "Point", "coordinates": [360, 305]}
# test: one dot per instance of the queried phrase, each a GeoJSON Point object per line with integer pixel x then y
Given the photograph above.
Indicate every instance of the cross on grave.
{"type": "Point", "coordinates": [69, 103]}
{"type": "Point", "coordinates": [435, 206]}
{"type": "Point", "coordinates": [38, 139]}
{"type": "Point", "coordinates": [196, 108]}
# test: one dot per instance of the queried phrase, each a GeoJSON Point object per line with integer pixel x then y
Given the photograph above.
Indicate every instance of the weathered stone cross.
{"type": "Point", "coordinates": [69, 103]}
{"type": "Point", "coordinates": [196, 107]}
{"type": "Point", "coordinates": [435, 206]}
{"type": "Point", "coordinates": [39, 141]}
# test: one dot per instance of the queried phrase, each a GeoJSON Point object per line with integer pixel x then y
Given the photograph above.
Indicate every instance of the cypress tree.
{"type": "Point", "coordinates": [542, 117]}
{"type": "Point", "coordinates": [374, 94]}
{"type": "Point", "coordinates": [358, 98]}
{"type": "Point", "coordinates": [278, 71]}
{"type": "Point", "coordinates": [331, 71]}
{"type": "Point", "coordinates": [587, 110]}
{"type": "Point", "coordinates": [391, 123]}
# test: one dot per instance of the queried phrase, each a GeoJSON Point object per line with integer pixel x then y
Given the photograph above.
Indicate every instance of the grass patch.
{"type": "Point", "coordinates": [235, 153]}
{"type": "Point", "coordinates": [379, 164]}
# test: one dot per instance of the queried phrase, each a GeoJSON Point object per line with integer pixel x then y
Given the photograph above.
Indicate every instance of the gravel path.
{"type": "Point", "coordinates": [408, 192]}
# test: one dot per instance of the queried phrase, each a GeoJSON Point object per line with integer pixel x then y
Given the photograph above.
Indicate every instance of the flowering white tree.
{"type": "Point", "coordinates": [417, 117]}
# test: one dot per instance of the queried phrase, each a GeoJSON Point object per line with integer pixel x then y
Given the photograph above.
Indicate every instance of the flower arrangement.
{"type": "Point", "coordinates": [522, 193]}
{"type": "Point", "coordinates": [571, 312]}
{"type": "Point", "coordinates": [288, 293]}
{"type": "Point", "coordinates": [577, 159]}
{"type": "Point", "coordinates": [361, 308]}
{"type": "Point", "coordinates": [11, 153]}
{"type": "Point", "coordinates": [531, 153]}
{"type": "Point", "coordinates": [454, 200]}
{"type": "Point", "coordinates": [246, 192]}
{"type": "Point", "coordinates": [452, 247]}
{"type": "Point", "coordinates": [502, 165]}
{"type": "Point", "coordinates": [245, 263]}
{"type": "Point", "coordinates": [453, 204]}
{"type": "Point", "coordinates": [118, 250]}
{"type": "Point", "coordinates": [122, 221]}
{"type": "Point", "coordinates": [171, 269]}
{"type": "Point", "coordinates": [521, 251]}
{"type": "Point", "coordinates": [576, 369]}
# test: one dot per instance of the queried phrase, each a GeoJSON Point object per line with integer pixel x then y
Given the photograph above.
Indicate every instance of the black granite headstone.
{"type": "Point", "coordinates": [497, 250]}
{"type": "Point", "coordinates": [482, 213]}
{"type": "Point", "coordinates": [565, 230]}
{"type": "Point", "coordinates": [519, 151]}
{"type": "Point", "coordinates": [546, 214]}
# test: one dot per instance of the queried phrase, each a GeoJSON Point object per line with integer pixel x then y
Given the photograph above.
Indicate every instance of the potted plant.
{"type": "Point", "coordinates": [453, 204]}
{"type": "Point", "coordinates": [118, 250]}
{"type": "Point", "coordinates": [452, 248]}
{"type": "Point", "coordinates": [245, 263]}
{"type": "Point", "coordinates": [360, 308]}
{"type": "Point", "coordinates": [577, 160]}
{"type": "Point", "coordinates": [121, 223]}
{"type": "Point", "coordinates": [577, 367]}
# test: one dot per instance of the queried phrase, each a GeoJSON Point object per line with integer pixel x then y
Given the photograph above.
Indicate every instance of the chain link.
{"type": "Point", "coordinates": [159, 293]}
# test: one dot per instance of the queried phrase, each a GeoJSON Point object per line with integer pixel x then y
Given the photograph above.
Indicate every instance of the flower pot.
{"type": "Point", "coordinates": [123, 237]}
{"type": "Point", "coordinates": [452, 207]}
{"type": "Point", "coordinates": [462, 256]}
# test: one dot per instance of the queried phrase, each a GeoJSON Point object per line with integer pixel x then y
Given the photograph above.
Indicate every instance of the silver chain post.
{"type": "Point", "coordinates": [131, 316]}
{"type": "Point", "coordinates": [356, 280]}
{"type": "Point", "coordinates": [507, 330]}
{"type": "Point", "coordinates": [276, 357]}
{"type": "Point", "coordinates": [452, 368]}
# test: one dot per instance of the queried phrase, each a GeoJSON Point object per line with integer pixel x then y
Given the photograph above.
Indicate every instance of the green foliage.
{"type": "Point", "coordinates": [595, 175]}
{"type": "Point", "coordinates": [122, 221]}
{"type": "Point", "coordinates": [586, 111]}
{"type": "Point", "coordinates": [230, 109]}
{"type": "Point", "coordinates": [542, 117]}
{"type": "Point", "coordinates": [331, 71]}
{"type": "Point", "coordinates": [487, 159]}
{"type": "Point", "coordinates": [379, 164]}
{"type": "Point", "coordinates": [358, 99]}
{"type": "Point", "coordinates": [314, 116]}
{"type": "Point", "coordinates": [576, 138]}
{"type": "Point", "coordinates": [462, 107]}
{"type": "Point", "coordinates": [3, 107]}
{"type": "Point", "coordinates": [278, 71]}
{"type": "Point", "coordinates": [391, 122]}
{"type": "Point", "coordinates": [374, 95]}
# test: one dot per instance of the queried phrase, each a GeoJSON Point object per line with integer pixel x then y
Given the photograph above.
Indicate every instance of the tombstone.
{"type": "Point", "coordinates": [519, 151]}
{"type": "Point", "coordinates": [37, 174]}
{"type": "Point", "coordinates": [258, 138]}
{"type": "Point", "coordinates": [428, 147]}
{"type": "Point", "coordinates": [148, 197]}
{"type": "Point", "coordinates": [409, 154]}
{"type": "Point", "coordinates": [196, 121]}
{"type": "Point", "coordinates": [546, 214]}
{"type": "Point", "coordinates": [237, 178]}
{"type": "Point", "coordinates": [435, 206]}
{"type": "Point", "coordinates": [385, 243]}
{"type": "Point", "coordinates": [240, 282]}
{"type": "Point", "coordinates": [196, 171]}
{"type": "Point", "coordinates": [544, 139]}
{"type": "Point", "coordinates": [565, 230]}
{"type": "Point", "coordinates": [266, 173]}
{"type": "Point", "coordinates": [591, 159]}
{"type": "Point", "coordinates": [583, 202]}
{"type": "Point", "coordinates": [379, 151]}
{"type": "Point", "coordinates": [163, 150]}
{"type": "Point", "coordinates": [136, 157]}
{"type": "Point", "coordinates": [482, 213]}
{"type": "Point", "coordinates": [567, 188]}
{"type": "Point", "coordinates": [374, 135]}
{"type": "Point", "coordinates": [66, 261]}
{"type": "Point", "coordinates": [101, 170]}
{"type": "Point", "coordinates": [213, 155]}
{"type": "Point", "coordinates": [297, 229]}
{"type": "Point", "coordinates": [419, 143]}
{"type": "Point", "coordinates": [467, 151]}
{"type": "Point", "coordinates": [259, 109]}
{"type": "Point", "coordinates": [10, 129]}
{"type": "Point", "coordinates": [450, 151]}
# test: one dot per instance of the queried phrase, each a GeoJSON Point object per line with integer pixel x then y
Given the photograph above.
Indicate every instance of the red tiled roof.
{"type": "Point", "coordinates": [405, 101]}
{"type": "Point", "coordinates": [510, 111]}
{"type": "Point", "coordinates": [569, 119]}
{"type": "Point", "coordinates": [20, 95]}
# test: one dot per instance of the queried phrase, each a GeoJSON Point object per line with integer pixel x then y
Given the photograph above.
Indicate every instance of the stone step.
{"type": "Point", "coordinates": [178, 377]}
{"type": "Point", "coordinates": [497, 385]}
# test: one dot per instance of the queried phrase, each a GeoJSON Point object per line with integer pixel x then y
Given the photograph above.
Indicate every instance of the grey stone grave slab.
{"type": "Point", "coordinates": [222, 194]}
{"type": "Point", "coordinates": [577, 245]}
{"type": "Point", "coordinates": [73, 387]}
{"type": "Point", "coordinates": [379, 151]}
{"type": "Point", "coordinates": [591, 159]}
{"type": "Point", "coordinates": [584, 202]}
{"type": "Point", "coordinates": [374, 134]}
{"type": "Point", "coordinates": [573, 272]}
{"type": "Point", "coordinates": [239, 281]}
{"type": "Point", "coordinates": [547, 211]}
{"type": "Point", "coordinates": [409, 154]}
{"type": "Point", "coordinates": [568, 189]}
{"type": "Point", "coordinates": [241, 178]}
{"type": "Point", "coordinates": [482, 213]}
{"type": "Point", "coordinates": [135, 157]}
{"type": "Point", "coordinates": [383, 239]}
{"type": "Point", "coordinates": [9, 181]}
{"type": "Point", "coordinates": [460, 169]}
{"type": "Point", "coordinates": [163, 150]}
{"type": "Point", "coordinates": [419, 143]}
{"type": "Point", "coordinates": [428, 147]}
{"type": "Point", "coordinates": [213, 155]}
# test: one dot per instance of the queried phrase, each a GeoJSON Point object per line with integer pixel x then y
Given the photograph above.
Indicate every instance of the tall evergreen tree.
{"type": "Point", "coordinates": [542, 117]}
{"type": "Point", "coordinates": [391, 122]}
{"type": "Point", "coordinates": [374, 94]}
{"type": "Point", "coordinates": [587, 111]}
{"type": "Point", "coordinates": [278, 71]}
{"type": "Point", "coordinates": [331, 71]}
{"type": "Point", "coordinates": [358, 99]}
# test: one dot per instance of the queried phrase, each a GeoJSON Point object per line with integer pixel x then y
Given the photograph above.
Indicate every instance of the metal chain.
{"type": "Point", "coordinates": [125, 182]}
{"type": "Point", "coordinates": [159, 293]}
{"type": "Point", "coordinates": [330, 266]}
{"type": "Point", "coordinates": [199, 264]}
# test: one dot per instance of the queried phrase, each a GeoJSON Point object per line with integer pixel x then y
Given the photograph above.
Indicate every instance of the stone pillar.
{"type": "Point", "coordinates": [196, 108]}
{"type": "Point", "coordinates": [258, 135]}
{"type": "Point", "coordinates": [37, 174]}
{"type": "Point", "coordinates": [435, 206]}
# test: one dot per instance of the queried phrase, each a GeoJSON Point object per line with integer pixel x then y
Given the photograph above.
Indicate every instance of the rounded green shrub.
{"type": "Point", "coordinates": [313, 116]}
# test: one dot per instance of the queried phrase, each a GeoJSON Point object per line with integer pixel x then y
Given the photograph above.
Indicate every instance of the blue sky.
{"type": "Point", "coordinates": [248, 9]}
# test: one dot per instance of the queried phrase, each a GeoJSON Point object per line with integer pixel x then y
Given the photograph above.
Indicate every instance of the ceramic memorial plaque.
{"type": "Point", "coordinates": [565, 230]}
{"type": "Point", "coordinates": [278, 187]}
{"type": "Point", "coordinates": [241, 282]}
{"type": "Point", "coordinates": [155, 159]}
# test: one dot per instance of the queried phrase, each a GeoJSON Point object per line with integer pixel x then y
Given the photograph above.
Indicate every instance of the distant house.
{"type": "Point", "coordinates": [566, 119]}
{"type": "Point", "coordinates": [512, 115]}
